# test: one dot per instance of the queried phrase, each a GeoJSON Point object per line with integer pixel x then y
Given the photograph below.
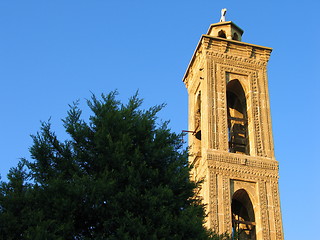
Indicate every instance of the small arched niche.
{"type": "Point", "coordinates": [237, 118]}
{"type": "Point", "coordinates": [222, 34]}
{"type": "Point", "coordinates": [243, 219]}
{"type": "Point", "coordinates": [235, 37]}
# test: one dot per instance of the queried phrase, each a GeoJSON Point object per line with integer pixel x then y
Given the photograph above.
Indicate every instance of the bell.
{"type": "Point", "coordinates": [198, 135]}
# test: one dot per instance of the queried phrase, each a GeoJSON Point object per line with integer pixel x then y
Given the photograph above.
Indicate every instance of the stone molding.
{"type": "Point", "coordinates": [264, 210]}
{"type": "Point", "coordinates": [244, 160]}
{"type": "Point", "coordinates": [213, 206]}
{"type": "Point", "coordinates": [243, 52]}
{"type": "Point", "coordinates": [277, 211]}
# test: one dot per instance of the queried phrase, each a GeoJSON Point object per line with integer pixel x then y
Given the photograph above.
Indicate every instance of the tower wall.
{"type": "Point", "coordinates": [215, 63]}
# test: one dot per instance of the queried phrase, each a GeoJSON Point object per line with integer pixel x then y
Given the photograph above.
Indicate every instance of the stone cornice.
{"type": "Point", "coordinates": [244, 160]}
{"type": "Point", "coordinates": [242, 166]}
{"type": "Point", "coordinates": [246, 52]}
{"type": "Point", "coordinates": [236, 42]}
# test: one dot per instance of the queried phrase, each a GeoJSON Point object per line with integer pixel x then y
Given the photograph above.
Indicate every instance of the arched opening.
{"type": "Point", "coordinates": [235, 37]}
{"type": "Point", "coordinates": [222, 34]}
{"type": "Point", "coordinates": [243, 219]}
{"type": "Point", "coordinates": [197, 124]}
{"type": "Point", "coordinates": [237, 118]}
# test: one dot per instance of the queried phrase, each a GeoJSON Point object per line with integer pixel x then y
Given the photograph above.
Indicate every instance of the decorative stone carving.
{"type": "Point", "coordinates": [213, 208]}
{"type": "Point", "coordinates": [277, 213]}
{"type": "Point", "coordinates": [216, 62]}
{"type": "Point", "coordinates": [264, 210]}
{"type": "Point", "coordinates": [226, 203]}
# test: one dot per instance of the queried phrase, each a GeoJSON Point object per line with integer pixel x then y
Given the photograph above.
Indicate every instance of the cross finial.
{"type": "Point", "coordinates": [223, 15]}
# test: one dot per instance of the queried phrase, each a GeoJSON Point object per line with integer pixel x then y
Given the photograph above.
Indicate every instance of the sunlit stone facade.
{"type": "Point", "coordinates": [231, 141]}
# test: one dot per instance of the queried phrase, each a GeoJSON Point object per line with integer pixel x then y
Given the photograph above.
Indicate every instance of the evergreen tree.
{"type": "Point", "coordinates": [119, 176]}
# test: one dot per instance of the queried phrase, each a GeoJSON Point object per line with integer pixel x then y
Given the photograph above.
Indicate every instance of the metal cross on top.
{"type": "Point", "coordinates": [223, 15]}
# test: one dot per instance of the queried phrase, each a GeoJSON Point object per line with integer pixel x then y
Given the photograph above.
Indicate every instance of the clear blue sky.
{"type": "Point", "coordinates": [54, 52]}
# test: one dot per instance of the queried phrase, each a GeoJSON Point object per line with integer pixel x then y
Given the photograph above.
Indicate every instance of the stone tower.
{"type": "Point", "coordinates": [231, 140]}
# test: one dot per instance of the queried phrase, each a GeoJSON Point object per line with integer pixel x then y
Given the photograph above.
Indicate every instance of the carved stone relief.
{"type": "Point", "coordinates": [214, 202]}
{"type": "Point", "coordinates": [264, 210]}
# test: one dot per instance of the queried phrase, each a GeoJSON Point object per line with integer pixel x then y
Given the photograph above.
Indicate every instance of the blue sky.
{"type": "Point", "coordinates": [55, 52]}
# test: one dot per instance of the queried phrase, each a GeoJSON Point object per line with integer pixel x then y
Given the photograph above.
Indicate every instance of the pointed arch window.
{"type": "Point", "coordinates": [237, 118]}
{"type": "Point", "coordinates": [198, 120]}
{"type": "Point", "coordinates": [235, 37]}
{"type": "Point", "coordinates": [243, 219]}
{"type": "Point", "coordinates": [222, 34]}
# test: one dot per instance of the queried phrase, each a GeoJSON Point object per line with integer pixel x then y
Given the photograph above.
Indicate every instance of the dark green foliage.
{"type": "Point", "coordinates": [120, 176]}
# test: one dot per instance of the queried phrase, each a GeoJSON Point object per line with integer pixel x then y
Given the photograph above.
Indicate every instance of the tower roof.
{"type": "Point", "coordinates": [228, 30]}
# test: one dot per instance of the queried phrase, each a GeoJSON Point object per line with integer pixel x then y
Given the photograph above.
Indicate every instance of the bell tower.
{"type": "Point", "coordinates": [231, 144]}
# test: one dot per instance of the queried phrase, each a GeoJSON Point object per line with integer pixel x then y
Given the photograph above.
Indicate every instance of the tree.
{"type": "Point", "coordinates": [119, 176]}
